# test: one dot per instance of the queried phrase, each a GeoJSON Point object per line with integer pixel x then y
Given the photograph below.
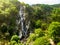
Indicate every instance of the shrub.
{"type": "Point", "coordinates": [38, 32]}
{"type": "Point", "coordinates": [44, 26]}
{"type": "Point", "coordinates": [33, 36]}
{"type": "Point", "coordinates": [3, 28]}
{"type": "Point", "coordinates": [41, 41]}
{"type": "Point", "coordinates": [13, 42]}
{"type": "Point", "coordinates": [38, 24]}
{"type": "Point", "coordinates": [58, 43]}
{"type": "Point", "coordinates": [15, 38]}
{"type": "Point", "coordinates": [54, 30]}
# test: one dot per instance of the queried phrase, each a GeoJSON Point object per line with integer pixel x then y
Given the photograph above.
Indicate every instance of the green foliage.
{"type": "Point", "coordinates": [58, 43]}
{"type": "Point", "coordinates": [15, 38]}
{"type": "Point", "coordinates": [56, 14]}
{"type": "Point", "coordinates": [38, 24]}
{"type": "Point", "coordinates": [13, 42]}
{"type": "Point", "coordinates": [33, 36]}
{"type": "Point", "coordinates": [3, 28]}
{"type": "Point", "coordinates": [39, 33]}
{"type": "Point", "coordinates": [8, 14]}
{"type": "Point", "coordinates": [44, 26]}
{"type": "Point", "coordinates": [54, 30]}
{"type": "Point", "coordinates": [39, 15]}
{"type": "Point", "coordinates": [41, 41]}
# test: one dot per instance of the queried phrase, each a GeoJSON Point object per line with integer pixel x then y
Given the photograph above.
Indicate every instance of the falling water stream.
{"type": "Point", "coordinates": [23, 31]}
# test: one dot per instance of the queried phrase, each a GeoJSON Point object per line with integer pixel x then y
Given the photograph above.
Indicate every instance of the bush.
{"type": "Point", "coordinates": [38, 24]}
{"type": "Point", "coordinates": [15, 38]}
{"type": "Point", "coordinates": [54, 30]}
{"type": "Point", "coordinates": [13, 42]}
{"type": "Point", "coordinates": [38, 32]}
{"type": "Point", "coordinates": [3, 28]}
{"type": "Point", "coordinates": [58, 43]}
{"type": "Point", "coordinates": [33, 36]}
{"type": "Point", "coordinates": [41, 41]}
{"type": "Point", "coordinates": [44, 26]}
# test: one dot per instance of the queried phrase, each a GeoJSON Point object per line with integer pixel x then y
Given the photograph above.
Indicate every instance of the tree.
{"type": "Point", "coordinates": [8, 14]}
{"type": "Point", "coordinates": [15, 40]}
{"type": "Point", "coordinates": [38, 24]}
{"type": "Point", "coordinates": [33, 36]}
{"type": "Point", "coordinates": [41, 41]}
{"type": "Point", "coordinates": [56, 14]}
{"type": "Point", "coordinates": [54, 31]}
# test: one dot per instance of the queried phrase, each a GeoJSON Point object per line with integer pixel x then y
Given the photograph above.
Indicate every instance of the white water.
{"type": "Point", "coordinates": [23, 26]}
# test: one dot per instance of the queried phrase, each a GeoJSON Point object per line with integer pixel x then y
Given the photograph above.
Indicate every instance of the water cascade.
{"type": "Point", "coordinates": [23, 31]}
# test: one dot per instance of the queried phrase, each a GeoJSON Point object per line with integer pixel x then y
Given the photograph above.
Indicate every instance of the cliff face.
{"type": "Point", "coordinates": [22, 22]}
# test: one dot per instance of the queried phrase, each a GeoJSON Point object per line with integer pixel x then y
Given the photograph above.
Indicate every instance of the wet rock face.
{"type": "Point", "coordinates": [23, 22]}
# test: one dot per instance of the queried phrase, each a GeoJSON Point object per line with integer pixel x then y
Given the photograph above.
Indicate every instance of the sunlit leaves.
{"type": "Point", "coordinates": [56, 14]}
{"type": "Point", "coordinates": [8, 13]}
{"type": "Point", "coordinates": [54, 31]}
{"type": "Point", "coordinates": [41, 41]}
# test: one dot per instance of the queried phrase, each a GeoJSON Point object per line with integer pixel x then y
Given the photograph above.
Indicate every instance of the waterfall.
{"type": "Point", "coordinates": [23, 31]}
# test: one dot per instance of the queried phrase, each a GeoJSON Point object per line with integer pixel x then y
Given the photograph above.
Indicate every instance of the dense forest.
{"type": "Point", "coordinates": [43, 29]}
